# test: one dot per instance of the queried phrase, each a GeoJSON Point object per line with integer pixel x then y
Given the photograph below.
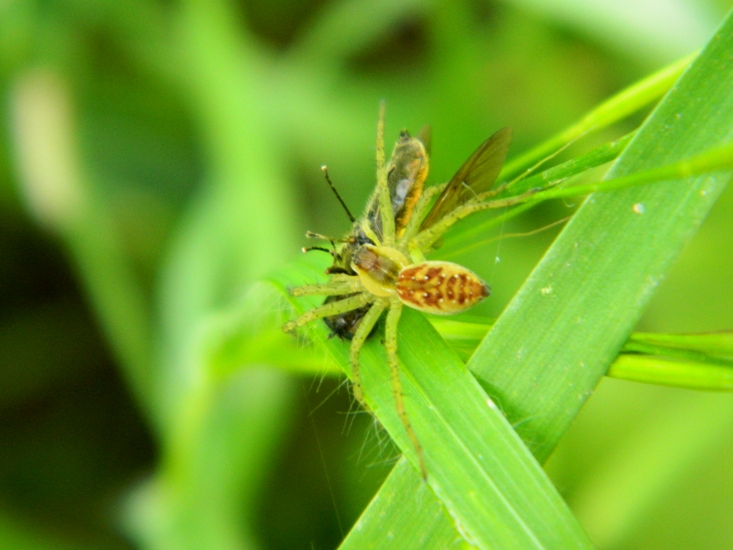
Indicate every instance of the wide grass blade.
{"type": "Point", "coordinates": [557, 338]}
{"type": "Point", "coordinates": [495, 490]}
{"type": "Point", "coordinates": [593, 284]}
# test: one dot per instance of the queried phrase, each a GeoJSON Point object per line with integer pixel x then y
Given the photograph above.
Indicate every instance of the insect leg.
{"type": "Point", "coordinates": [362, 333]}
{"type": "Point", "coordinates": [390, 344]}
{"type": "Point", "coordinates": [329, 309]}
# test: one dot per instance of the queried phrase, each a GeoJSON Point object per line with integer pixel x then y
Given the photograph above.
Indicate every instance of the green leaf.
{"type": "Point", "coordinates": [711, 343]}
{"type": "Point", "coordinates": [701, 375]}
{"type": "Point", "coordinates": [368, 534]}
{"type": "Point", "coordinates": [690, 361]}
{"type": "Point", "coordinates": [695, 361]}
{"type": "Point", "coordinates": [476, 464]}
{"type": "Point", "coordinates": [561, 332]}
{"type": "Point", "coordinates": [594, 283]}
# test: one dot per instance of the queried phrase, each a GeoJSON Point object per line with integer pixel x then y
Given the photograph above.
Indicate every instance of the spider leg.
{"type": "Point", "coordinates": [390, 344]}
{"type": "Point", "coordinates": [492, 192]}
{"type": "Point", "coordinates": [421, 209]}
{"type": "Point", "coordinates": [425, 238]}
{"type": "Point", "coordinates": [362, 333]}
{"type": "Point", "coordinates": [413, 226]}
{"type": "Point", "coordinates": [332, 288]}
{"type": "Point", "coordinates": [385, 202]}
{"type": "Point", "coordinates": [329, 309]}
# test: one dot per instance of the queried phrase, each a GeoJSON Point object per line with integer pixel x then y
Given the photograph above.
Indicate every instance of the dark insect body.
{"type": "Point", "coordinates": [345, 325]}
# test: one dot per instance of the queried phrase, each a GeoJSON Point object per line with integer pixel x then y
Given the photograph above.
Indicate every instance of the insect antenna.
{"type": "Point", "coordinates": [333, 252]}
{"type": "Point", "coordinates": [309, 248]}
{"type": "Point", "coordinates": [313, 235]}
{"type": "Point", "coordinates": [335, 192]}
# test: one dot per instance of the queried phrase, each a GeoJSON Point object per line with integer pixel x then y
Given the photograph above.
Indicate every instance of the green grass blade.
{"type": "Point", "coordinates": [690, 361]}
{"type": "Point", "coordinates": [719, 158]}
{"type": "Point", "coordinates": [695, 361]}
{"type": "Point", "coordinates": [595, 281]}
{"type": "Point", "coordinates": [369, 534]}
{"type": "Point", "coordinates": [711, 343]}
{"type": "Point", "coordinates": [476, 464]}
{"type": "Point", "coordinates": [701, 375]}
{"type": "Point", "coordinates": [566, 325]}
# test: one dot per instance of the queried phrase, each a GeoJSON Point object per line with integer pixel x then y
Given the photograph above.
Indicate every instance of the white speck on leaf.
{"type": "Point", "coordinates": [638, 208]}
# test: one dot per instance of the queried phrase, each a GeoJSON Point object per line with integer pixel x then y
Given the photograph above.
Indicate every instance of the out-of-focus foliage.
{"type": "Point", "coordinates": [158, 157]}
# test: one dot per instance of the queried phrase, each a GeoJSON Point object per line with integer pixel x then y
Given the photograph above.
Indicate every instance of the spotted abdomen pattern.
{"type": "Point", "coordinates": [441, 288]}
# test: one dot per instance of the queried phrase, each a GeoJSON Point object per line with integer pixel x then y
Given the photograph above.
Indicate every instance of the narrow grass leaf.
{"type": "Point", "coordinates": [595, 281]}
{"type": "Point", "coordinates": [497, 495]}
{"type": "Point", "coordinates": [700, 375]}
{"type": "Point", "coordinates": [566, 325]}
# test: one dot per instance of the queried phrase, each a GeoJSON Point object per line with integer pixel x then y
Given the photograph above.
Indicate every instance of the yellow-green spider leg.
{"type": "Point", "coordinates": [385, 202]}
{"type": "Point", "coordinates": [332, 288]}
{"type": "Point", "coordinates": [422, 207]}
{"type": "Point", "coordinates": [390, 344]}
{"type": "Point", "coordinates": [362, 333]}
{"type": "Point", "coordinates": [426, 237]}
{"type": "Point", "coordinates": [329, 309]}
{"type": "Point", "coordinates": [418, 215]}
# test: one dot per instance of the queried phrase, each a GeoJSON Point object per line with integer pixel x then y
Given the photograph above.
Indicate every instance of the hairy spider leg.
{"type": "Point", "coordinates": [395, 306]}
{"type": "Point", "coordinates": [425, 238]}
{"type": "Point", "coordinates": [333, 288]}
{"type": "Point", "coordinates": [362, 333]}
{"type": "Point", "coordinates": [329, 309]}
{"type": "Point", "coordinates": [390, 344]}
{"type": "Point", "coordinates": [385, 202]}
{"type": "Point", "coordinates": [421, 210]}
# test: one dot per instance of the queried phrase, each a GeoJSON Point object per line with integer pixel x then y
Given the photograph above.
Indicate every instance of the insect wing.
{"type": "Point", "coordinates": [425, 135]}
{"type": "Point", "coordinates": [477, 175]}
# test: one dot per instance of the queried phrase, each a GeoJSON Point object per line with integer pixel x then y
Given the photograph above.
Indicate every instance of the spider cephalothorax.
{"type": "Point", "coordinates": [380, 265]}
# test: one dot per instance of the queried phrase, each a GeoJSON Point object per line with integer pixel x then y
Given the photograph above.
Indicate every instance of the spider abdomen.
{"type": "Point", "coordinates": [442, 288]}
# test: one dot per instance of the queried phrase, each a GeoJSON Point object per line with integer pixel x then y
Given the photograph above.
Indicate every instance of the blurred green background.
{"type": "Point", "coordinates": [158, 157]}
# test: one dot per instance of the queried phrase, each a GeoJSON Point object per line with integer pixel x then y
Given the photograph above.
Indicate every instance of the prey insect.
{"type": "Point", "coordinates": [380, 266]}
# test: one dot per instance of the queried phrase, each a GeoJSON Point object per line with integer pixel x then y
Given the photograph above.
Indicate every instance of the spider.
{"type": "Point", "coordinates": [380, 266]}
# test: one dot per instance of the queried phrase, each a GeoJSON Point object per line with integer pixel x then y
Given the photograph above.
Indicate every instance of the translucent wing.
{"type": "Point", "coordinates": [477, 175]}
{"type": "Point", "coordinates": [425, 135]}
